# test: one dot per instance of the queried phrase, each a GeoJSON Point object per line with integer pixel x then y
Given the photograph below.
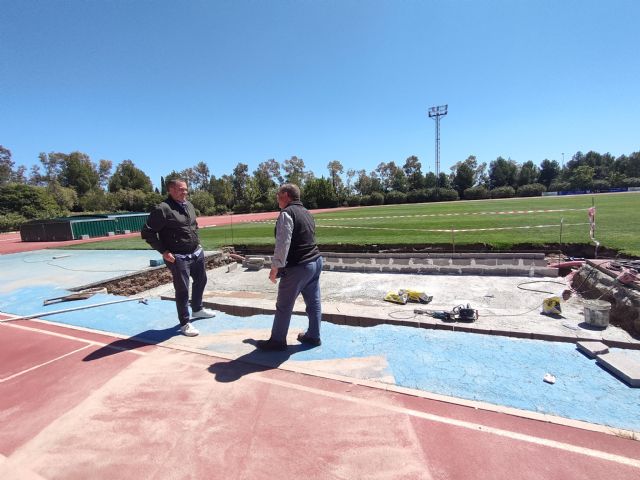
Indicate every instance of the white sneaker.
{"type": "Point", "coordinates": [204, 313]}
{"type": "Point", "coordinates": [189, 330]}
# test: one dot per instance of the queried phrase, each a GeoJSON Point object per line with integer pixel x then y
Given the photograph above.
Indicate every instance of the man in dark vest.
{"type": "Point", "coordinates": [172, 230]}
{"type": "Point", "coordinates": [297, 262]}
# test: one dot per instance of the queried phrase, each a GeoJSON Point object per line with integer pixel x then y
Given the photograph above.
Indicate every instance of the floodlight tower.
{"type": "Point", "coordinates": [436, 113]}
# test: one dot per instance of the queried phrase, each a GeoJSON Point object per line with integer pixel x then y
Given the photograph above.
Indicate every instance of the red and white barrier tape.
{"type": "Point", "coordinates": [449, 230]}
{"type": "Point", "coordinates": [461, 214]}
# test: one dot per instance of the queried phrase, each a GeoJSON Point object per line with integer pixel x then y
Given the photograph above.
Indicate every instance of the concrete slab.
{"type": "Point", "coordinates": [623, 364]}
{"type": "Point", "coordinates": [592, 349]}
{"type": "Point", "coordinates": [505, 304]}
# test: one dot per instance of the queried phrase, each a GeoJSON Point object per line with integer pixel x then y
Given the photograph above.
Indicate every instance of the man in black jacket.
{"type": "Point", "coordinates": [297, 262]}
{"type": "Point", "coordinates": [172, 230]}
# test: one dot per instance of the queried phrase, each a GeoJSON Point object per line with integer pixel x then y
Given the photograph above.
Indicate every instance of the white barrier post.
{"type": "Point", "coordinates": [453, 239]}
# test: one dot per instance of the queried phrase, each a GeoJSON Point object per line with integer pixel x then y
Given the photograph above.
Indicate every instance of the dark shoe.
{"type": "Point", "coordinates": [271, 345]}
{"type": "Point", "coordinates": [303, 338]}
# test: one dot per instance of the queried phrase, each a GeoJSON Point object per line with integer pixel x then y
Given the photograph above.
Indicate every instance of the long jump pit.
{"type": "Point", "coordinates": [114, 391]}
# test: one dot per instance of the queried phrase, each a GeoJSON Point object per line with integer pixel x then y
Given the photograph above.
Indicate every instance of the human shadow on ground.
{"type": "Point", "coordinates": [254, 361]}
{"type": "Point", "coordinates": [139, 340]}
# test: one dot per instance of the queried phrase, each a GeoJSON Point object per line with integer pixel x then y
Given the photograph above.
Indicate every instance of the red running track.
{"type": "Point", "coordinates": [78, 405]}
{"type": "Point", "coordinates": [11, 242]}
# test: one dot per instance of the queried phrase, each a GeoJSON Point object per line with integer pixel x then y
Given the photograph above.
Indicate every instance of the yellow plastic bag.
{"type": "Point", "coordinates": [394, 297]}
{"type": "Point", "coordinates": [416, 296]}
{"type": "Point", "coordinates": [551, 306]}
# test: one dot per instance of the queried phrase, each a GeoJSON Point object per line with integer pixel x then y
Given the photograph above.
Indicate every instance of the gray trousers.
{"type": "Point", "coordinates": [182, 270]}
{"type": "Point", "coordinates": [295, 280]}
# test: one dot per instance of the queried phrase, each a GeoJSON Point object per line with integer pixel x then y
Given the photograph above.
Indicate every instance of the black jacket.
{"type": "Point", "coordinates": [170, 227]}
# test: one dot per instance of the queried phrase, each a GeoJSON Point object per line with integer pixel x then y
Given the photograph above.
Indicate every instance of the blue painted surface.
{"type": "Point", "coordinates": [69, 268]}
{"type": "Point", "coordinates": [499, 370]}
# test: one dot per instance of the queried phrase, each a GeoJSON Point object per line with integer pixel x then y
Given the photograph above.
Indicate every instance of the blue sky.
{"type": "Point", "coordinates": [167, 84]}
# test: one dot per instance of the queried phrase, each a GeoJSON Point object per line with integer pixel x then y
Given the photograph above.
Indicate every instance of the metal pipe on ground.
{"type": "Point", "coordinates": [66, 310]}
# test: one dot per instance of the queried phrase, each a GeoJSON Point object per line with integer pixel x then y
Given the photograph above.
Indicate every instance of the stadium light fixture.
{"type": "Point", "coordinates": [436, 113]}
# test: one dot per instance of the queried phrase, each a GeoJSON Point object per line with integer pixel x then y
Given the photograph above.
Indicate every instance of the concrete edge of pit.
{"type": "Point", "coordinates": [427, 323]}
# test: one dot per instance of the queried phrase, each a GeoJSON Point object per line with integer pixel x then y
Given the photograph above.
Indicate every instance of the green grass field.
{"type": "Point", "coordinates": [617, 222]}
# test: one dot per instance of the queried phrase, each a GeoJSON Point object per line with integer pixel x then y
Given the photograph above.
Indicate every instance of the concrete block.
{"type": "Point", "coordinates": [430, 269]}
{"type": "Point", "coordinates": [500, 271]}
{"type": "Point", "coordinates": [85, 237]}
{"type": "Point", "coordinates": [507, 261]}
{"type": "Point", "coordinates": [464, 255]}
{"type": "Point", "coordinates": [486, 261]}
{"type": "Point", "coordinates": [369, 322]}
{"type": "Point", "coordinates": [442, 261]}
{"type": "Point", "coordinates": [111, 234]}
{"type": "Point", "coordinates": [400, 261]}
{"type": "Point", "coordinates": [349, 261]}
{"type": "Point", "coordinates": [519, 271]}
{"type": "Point", "coordinates": [127, 231]}
{"type": "Point", "coordinates": [474, 271]}
{"type": "Point", "coordinates": [253, 263]}
{"type": "Point", "coordinates": [548, 337]}
{"type": "Point", "coordinates": [501, 333]}
{"type": "Point", "coordinates": [423, 261]}
{"type": "Point", "coordinates": [427, 324]}
{"type": "Point", "coordinates": [450, 270]}
{"type": "Point", "coordinates": [623, 364]}
{"type": "Point", "coordinates": [592, 349]}
{"type": "Point", "coordinates": [460, 261]}
{"type": "Point", "coordinates": [381, 262]}
{"type": "Point", "coordinates": [243, 311]}
{"type": "Point", "coordinates": [351, 321]}
{"type": "Point", "coordinates": [335, 318]}
{"type": "Point", "coordinates": [411, 269]}
{"type": "Point", "coordinates": [394, 321]}
{"type": "Point", "coordinates": [231, 267]}
{"type": "Point", "coordinates": [546, 272]}
{"type": "Point", "coordinates": [442, 326]}
{"type": "Point", "coordinates": [459, 327]}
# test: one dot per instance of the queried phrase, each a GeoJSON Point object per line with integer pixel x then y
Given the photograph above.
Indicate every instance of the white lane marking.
{"type": "Point", "coordinates": [35, 367]}
{"type": "Point", "coordinates": [632, 462]}
{"type": "Point", "coordinates": [78, 339]}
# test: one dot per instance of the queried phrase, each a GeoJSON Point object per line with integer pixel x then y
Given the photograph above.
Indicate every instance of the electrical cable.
{"type": "Point", "coordinates": [48, 262]}
{"type": "Point", "coordinates": [577, 290]}
{"type": "Point", "coordinates": [511, 314]}
{"type": "Point", "coordinates": [395, 312]}
{"type": "Point", "coordinates": [540, 281]}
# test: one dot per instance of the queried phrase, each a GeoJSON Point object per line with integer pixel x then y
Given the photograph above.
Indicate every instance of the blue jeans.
{"type": "Point", "coordinates": [295, 280]}
{"type": "Point", "coordinates": [181, 270]}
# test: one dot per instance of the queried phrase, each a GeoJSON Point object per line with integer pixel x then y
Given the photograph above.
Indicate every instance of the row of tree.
{"type": "Point", "coordinates": [63, 183]}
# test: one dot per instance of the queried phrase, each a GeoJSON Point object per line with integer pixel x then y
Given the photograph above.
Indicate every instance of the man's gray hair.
{"type": "Point", "coordinates": [175, 181]}
{"type": "Point", "coordinates": [290, 189]}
